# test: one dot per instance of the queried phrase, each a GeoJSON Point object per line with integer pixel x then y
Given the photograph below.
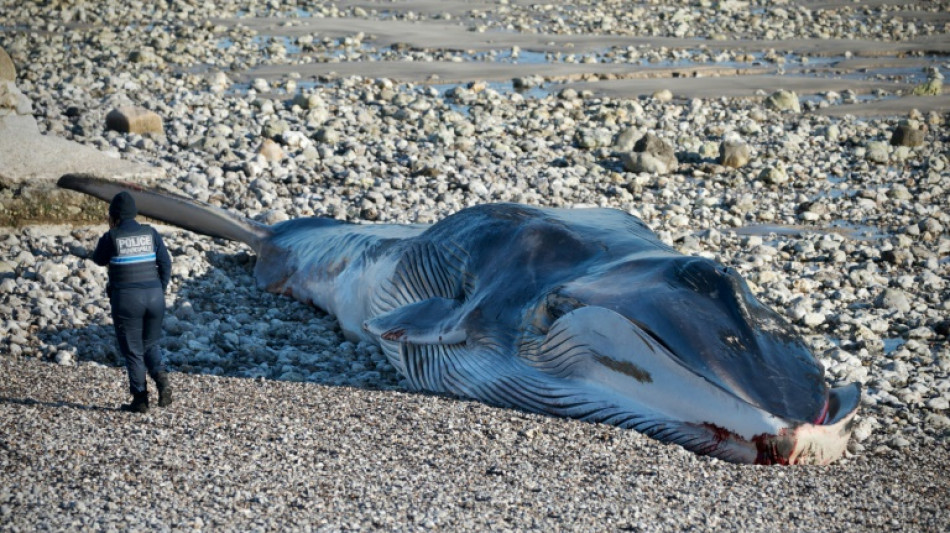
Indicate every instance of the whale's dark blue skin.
{"type": "Point", "coordinates": [580, 313]}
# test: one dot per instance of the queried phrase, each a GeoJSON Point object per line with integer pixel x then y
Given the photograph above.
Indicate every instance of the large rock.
{"type": "Point", "coordinates": [650, 154]}
{"type": "Point", "coordinates": [145, 56]}
{"type": "Point", "coordinates": [589, 138]}
{"type": "Point", "coordinates": [774, 175]}
{"type": "Point", "coordinates": [131, 119]}
{"type": "Point", "coordinates": [893, 299]}
{"type": "Point", "coordinates": [308, 101]}
{"type": "Point", "coordinates": [626, 140]}
{"type": "Point", "coordinates": [782, 100]}
{"type": "Point", "coordinates": [656, 146]}
{"type": "Point", "coordinates": [274, 128]}
{"type": "Point", "coordinates": [877, 152]}
{"type": "Point", "coordinates": [734, 153]}
{"type": "Point", "coordinates": [270, 150]}
{"type": "Point", "coordinates": [7, 68]}
{"type": "Point", "coordinates": [933, 86]}
{"type": "Point", "coordinates": [909, 133]}
{"type": "Point", "coordinates": [663, 95]}
{"type": "Point", "coordinates": [643, 162]}
{"type": "Point", "coordinates": [219, 82]}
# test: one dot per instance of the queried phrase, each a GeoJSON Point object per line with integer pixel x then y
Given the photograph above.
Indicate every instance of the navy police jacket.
{"type": "Point", "coordinates": [136, 256]}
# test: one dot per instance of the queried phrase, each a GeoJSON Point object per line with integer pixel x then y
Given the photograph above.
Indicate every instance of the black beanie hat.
{"type": "Point", "coordinates": [122, 207]}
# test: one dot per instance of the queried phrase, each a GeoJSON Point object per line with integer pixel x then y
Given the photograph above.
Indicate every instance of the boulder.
{"type": "Point", "coordinates": [663, 95]}
{"type": "Point", "coordinates": [626, 140]}
{"type": "Point", "coordinates": [219, 82]}
{"type": "Point", "coordinates": [271, 151]}
{"type": "Point", "coordinates": [523, 83]}
{"type": "Point", "coordinates": [308, 101]}
{"type": "Point", "coordinates": [782, 100]}
{"type": "Point", "coordinates": [893, 299]}
{"type": "Point", "coordinates": [909, 133]}
{"type": "Point", "coordinates": [877, 152]}
{"type": "Point", "coordinates": [132, 119]}
{"type": "Point", "coordinates": [734, 153]}
{"type": "Point", "coordinates": [650, 154]}
{"type": "Point", "coordinates": [589, 138]}
{"type": "Point", "coordinates": [643, 162]}
{"type": "Point", "coordinates": [932, 87]}
{"type": "Point", "coordinates": [774, 175]}
{"type": "Point", "coordinates": [274, 128]}
{"type": "Point", "coordinates": [145, 56]}
{"type": "Point", "coordinates": [934, 84]}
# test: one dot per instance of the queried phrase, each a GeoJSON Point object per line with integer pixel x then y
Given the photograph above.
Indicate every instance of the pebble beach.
{"type": "Point", "coordinates": [803, 144]}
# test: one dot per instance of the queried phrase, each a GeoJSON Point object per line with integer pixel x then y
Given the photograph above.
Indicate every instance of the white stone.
{"type": "Point", "coordinates": [51, 273]}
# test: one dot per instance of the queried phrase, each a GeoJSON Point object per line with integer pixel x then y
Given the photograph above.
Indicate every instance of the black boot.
{"type": "Point", "coordinates": [139, 403]}
{"type": "Point", "coordinates": [164, 390]}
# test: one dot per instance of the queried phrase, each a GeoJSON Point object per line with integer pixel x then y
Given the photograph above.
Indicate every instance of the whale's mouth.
{"type": "Point", "coordinates": [640, 381]}
{"type": "Point", "coordinates": [804, 444]}
{"type": "Point", "coordinates": [823, 415]}
{"type": "Point", "coordinates": [652, 334]}
{"type": "Point", "coordinates": [819, 443]}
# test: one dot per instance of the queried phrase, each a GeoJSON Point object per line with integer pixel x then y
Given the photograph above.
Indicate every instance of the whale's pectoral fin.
{"type": "Point", "coordinates": [431, 321]}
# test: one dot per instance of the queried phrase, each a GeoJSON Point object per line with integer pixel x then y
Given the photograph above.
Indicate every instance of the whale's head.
{"type": "Point", "coordinates": [684, 339]}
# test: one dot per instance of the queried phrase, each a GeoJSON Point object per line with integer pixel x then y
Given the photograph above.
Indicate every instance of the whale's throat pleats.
{"type": "Point", "coordinates": [418, 311]}
{"type": "Point", "coordinates": [425, 270]}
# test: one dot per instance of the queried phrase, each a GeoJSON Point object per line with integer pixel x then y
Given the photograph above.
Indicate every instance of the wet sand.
{"type": "Point", "coordinates": [841, 64]}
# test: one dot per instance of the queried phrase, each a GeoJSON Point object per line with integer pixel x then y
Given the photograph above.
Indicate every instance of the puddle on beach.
{"type": "Point", "coordinates": [264, 41]}
{"type": "Point", "coordinates": [501, 88]}
{"type": "Point", "coordinates": [766, 230]}
{"type": "Point", "coordinates": [861, 232]}
{"type": "Point", "coordinates": [444, 89]}
{"type": "Point", "coordinates": [504, 88]}
{"type": "Point", "coordinates": [522, 57]}
{"type": "Point", "coordinates": [890, 74]}
{"type": "Point", "coordinates": [840, 227]}
{"type": "Point", "coordinates": [817, 99]}
{"type": "Point", "coordinates": [911, 75]}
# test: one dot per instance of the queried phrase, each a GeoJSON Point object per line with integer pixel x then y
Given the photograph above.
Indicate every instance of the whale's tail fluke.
{"type": "Point", "coordinates": [175, 209]}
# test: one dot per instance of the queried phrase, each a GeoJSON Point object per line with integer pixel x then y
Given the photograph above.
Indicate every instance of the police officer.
{"type": "Point", "coordinates": [139, 271]}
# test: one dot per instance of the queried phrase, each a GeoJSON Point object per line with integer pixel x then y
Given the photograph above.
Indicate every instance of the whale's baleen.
{"type": "Point", "coordinates": [579, 313]}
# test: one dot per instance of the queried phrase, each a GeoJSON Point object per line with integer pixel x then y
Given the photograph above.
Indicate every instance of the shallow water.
{"type": "Point", "coordinates": [861, 232]}
{"type": "Point", "coordinates": [839, 227]}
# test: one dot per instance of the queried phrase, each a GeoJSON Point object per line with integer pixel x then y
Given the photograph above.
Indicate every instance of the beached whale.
{"type": "Point", "coordinates": [580, 313]}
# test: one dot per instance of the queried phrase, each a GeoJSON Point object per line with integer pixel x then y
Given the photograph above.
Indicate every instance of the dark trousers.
{"type": "Point", "coordinates": [137, 315]}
